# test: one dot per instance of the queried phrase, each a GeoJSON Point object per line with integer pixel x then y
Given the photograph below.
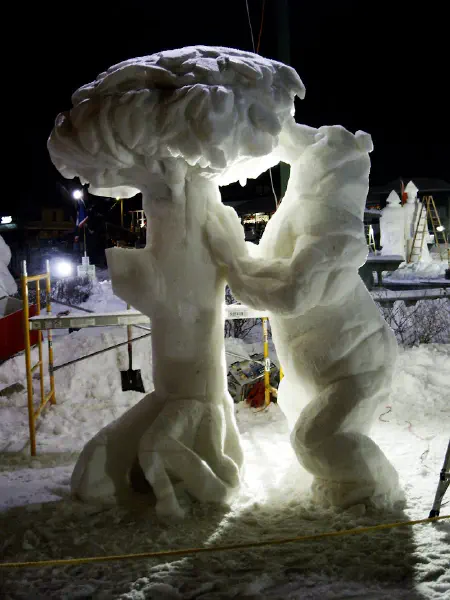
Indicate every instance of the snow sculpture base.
{"type": "Point", "coordinates": [330, 439]}
{"type": "Point", "coordinates": [180, 443]}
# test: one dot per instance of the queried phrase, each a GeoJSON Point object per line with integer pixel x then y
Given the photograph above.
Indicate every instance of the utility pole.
{"type": "Point", "coordinates": [283, 55]}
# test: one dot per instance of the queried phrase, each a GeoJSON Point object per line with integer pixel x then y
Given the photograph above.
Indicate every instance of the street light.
{"type": "Point", "coordinates": [63, 268]}
{"type": "Point", "coordinates": [78, 196]}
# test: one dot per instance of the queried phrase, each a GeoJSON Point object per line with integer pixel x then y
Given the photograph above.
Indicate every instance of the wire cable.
{"type": "Point", "coordinates": [256, 51]}
{"type": "Point", "coordinates": [250, 25]}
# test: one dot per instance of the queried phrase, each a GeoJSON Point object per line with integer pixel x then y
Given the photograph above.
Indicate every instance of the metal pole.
{"type": "Point", "coordinates": [72, 362]}
{"type": "Point", "coordinates": [26, 333]}
{"type": "Point", "coordinates": [283, 55]}
{"type": "Point", "coordinates": [121, 212]}
{"type": "Point", "coordinates": [41, 362]}
{"type": "Point", "coordinates": [50, 337]}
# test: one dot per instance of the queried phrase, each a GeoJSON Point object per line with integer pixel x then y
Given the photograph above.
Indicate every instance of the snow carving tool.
{"type": "Point", "coordinates": [131, 380]}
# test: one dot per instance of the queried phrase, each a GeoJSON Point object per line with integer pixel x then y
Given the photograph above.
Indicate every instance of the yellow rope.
{"type": "Point", "coordinates": [186, 551]}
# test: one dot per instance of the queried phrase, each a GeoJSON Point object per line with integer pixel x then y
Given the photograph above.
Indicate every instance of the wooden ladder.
{"type": "Point", "coordinates": [429, 213]}
{"type": "Point", "coordinates": [439, 233]}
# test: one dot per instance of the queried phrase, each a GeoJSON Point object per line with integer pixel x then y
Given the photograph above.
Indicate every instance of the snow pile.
{"type": "Point", "coordinates": [8, 286]}
{"type": "Point", "coordinates": [419, 271]}
{"type": "Point", "coordinates": [41, 520]}
{"type": "Point", "coordinates": [424, 322]}
{"type": "Point", "coordinates": [103, 299]}
{"type": "Point", "coordinates": [88, 393]}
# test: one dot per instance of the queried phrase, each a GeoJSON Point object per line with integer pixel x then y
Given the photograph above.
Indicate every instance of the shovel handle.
{"type": "Point", "coordinates": [130, 351]}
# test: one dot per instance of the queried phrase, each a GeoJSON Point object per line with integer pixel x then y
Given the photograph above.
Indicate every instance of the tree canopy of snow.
{"type": "Point", "coordinates": [215, 108]}
{"type": "Point", "coordinates": [336, 350]}
{"type": "Point", "coordinates": [8, 286]}
{"type": "Point", "coordinates": [175, 126]}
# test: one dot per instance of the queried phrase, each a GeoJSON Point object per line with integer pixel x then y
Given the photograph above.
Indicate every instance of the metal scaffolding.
{"type": "Point", "coordinates": [33, 413]}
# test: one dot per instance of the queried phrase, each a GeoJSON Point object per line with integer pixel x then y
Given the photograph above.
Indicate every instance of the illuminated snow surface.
{"type": "Point", "coordinates": [40, 520]}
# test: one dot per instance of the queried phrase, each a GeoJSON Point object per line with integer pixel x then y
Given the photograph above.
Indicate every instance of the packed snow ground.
{"type": "Point", "coordinates": [39, 519]}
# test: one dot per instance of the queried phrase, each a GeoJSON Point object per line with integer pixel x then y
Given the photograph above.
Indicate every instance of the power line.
{"type": "Point", "coordinates": [261, 27]}
{"type": "Point", "coordinates": [250, 25]}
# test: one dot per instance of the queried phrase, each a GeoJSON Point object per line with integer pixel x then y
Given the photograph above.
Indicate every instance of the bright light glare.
{"type": "Point", "coordinates": [77, 194]}
{"type": "Point", "coordinates": [6, 220]}
{"type": "Point", "coordinates": [440, 228]}
{"type": "Point", "coordinates": [63, 268]}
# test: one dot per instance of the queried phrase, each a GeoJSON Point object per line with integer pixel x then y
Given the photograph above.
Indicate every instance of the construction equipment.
{"type": "Point", "coordinates": [428, 213]}
{"type": "Point", "coordinates": [247, 379]}
{"type": "Point", "coordinates": [131, 380]}
{"type": "Point", "coordinates": [444, 482]}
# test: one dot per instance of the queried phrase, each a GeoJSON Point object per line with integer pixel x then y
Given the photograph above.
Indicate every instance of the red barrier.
{"type": "Point", "coordinates": [11, 329]}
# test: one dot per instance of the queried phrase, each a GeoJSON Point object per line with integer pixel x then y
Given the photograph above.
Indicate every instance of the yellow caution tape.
{"type": "Point", "coordinates": [187, 551]}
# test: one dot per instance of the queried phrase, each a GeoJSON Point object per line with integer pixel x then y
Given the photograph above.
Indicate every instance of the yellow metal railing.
{"type": "Point", "coordinates": [269, 390]}
{"type": "Point", "coordinates": [33, 413]}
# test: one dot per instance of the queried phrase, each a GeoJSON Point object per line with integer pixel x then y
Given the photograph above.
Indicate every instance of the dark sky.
{"type": "Point", "coordinates": [378, 66]}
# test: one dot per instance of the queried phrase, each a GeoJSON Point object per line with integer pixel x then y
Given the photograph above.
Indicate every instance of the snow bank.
{"type": "Point", "coordinates": [420, 271]}
{"type": "Point", "coordinates": [88, 393]}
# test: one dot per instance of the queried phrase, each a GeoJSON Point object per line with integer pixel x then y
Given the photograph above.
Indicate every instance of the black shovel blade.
{"type": "Point", "coordinates": [132, 381]}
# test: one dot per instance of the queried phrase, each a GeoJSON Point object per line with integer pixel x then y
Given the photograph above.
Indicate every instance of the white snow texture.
{"type": "Point", "coordinates": [398, 226]}
{"type": "Point", "coordinates": [336, 350]}
{"type": "Point", "coordinates": [393, 227]}
{"type": "Point", "coordinates": [175, 126]}
{"type": "Point", "coordinates": [8, 286]}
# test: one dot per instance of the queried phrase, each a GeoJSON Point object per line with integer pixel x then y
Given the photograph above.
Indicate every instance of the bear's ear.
{"type": "Point", "coordinates": [364, 141]}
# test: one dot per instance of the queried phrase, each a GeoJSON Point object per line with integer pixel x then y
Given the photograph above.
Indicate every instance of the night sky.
{"type": "Point", "coordinates": [378, 66]}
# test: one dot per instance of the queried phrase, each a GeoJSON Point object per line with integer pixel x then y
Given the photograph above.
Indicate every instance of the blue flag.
{"type": "Point", "coordinates": [81, 214]}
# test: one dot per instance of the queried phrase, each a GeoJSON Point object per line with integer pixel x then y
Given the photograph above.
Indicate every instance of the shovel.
{"type": "Point", "coordinates": [131, 380]}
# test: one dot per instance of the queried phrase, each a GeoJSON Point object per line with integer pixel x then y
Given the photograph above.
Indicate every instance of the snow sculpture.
{"type": "Point", "coordinates": [174, 126]}
{"type": "Point", "coordinates": [8, 286]}
{"type": "Point", "coordinates": [392, 227]}
{"type": "Point", "coordinates": [411, 210]}
{"type": "Point", "coordinates": [337, 352]}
